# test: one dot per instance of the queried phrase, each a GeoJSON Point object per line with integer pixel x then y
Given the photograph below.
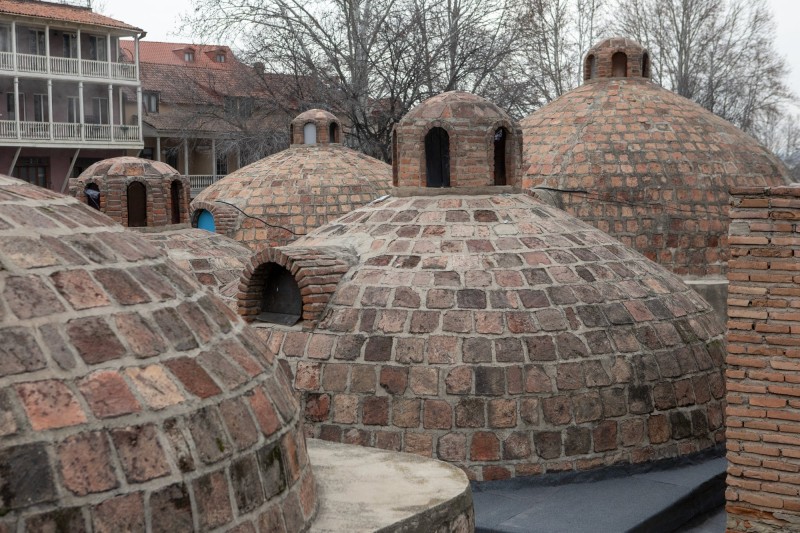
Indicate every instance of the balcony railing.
{"type": "Point", "coordinates": [67, 131]}
{"type": "Point", "coordinates": [201, 181]}
{"type": "Point", "coordinates": [68, 66]}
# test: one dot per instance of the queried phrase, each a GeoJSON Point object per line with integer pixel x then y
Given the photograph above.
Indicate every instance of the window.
{"type": "Point", "coordinates": [150, 101]}
{"type": "Point", "coordinates": [36, 43]}
{"type": "Point", "coordinates": [222, 165]}
{"type": "Point", "coordinates": [188, 56]}
{"type": "Point", "coordinates": [40, 108]}
{"type": "Point", "coordinates": [172, 157]}
{"type": "Point", "coordinates": [11, 108]}
{"type": "Point", "coordinates": [619, 65]}
{"type": "Point", "coordinates": [590, 70]}
{"type": "Point", "coordinates": [220, 58]}
{"type": "Point", "coordinates": [281, 302]}
{"type": "Point", "coordinates": [176, 197]}
{"type": "Point", "coordinates": [100, 110]}
{"type": "Point", "coordinates": [204, 220]}
{"type": "Point", "coordinates": [97, 48]}
{"type": "Point", "coordinates": [437, 158]}
{"type": "Point", "coordinates": [73, 110]}
{"type": "Point", "coordinates": [333, 133]}
{"type": "Point", "coordinates": [645, 65]}
{"type": "Point", "coordinates": [92, 193]}
{"type": "Point", "coordinates": [137, 205]}
{"type": "Point", "coordinates": [5, 38]}
{"type": "Point", "coordinates": [500, 136]}
{"type": "Point", "coordinates": [310, 133]}
{"type": "Point", "coordinates": [70, 45]}
{"type": "Point", "coordinates": [33, 170]}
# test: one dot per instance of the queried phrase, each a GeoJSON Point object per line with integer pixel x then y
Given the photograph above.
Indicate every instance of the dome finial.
{"type": "Point", "coordinates": [616, 57]}
{"type": "Point", "coordinates": [315, 126]}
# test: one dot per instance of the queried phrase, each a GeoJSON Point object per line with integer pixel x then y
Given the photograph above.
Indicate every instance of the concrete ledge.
{"type": "Point", "coordinates": [364, 489]}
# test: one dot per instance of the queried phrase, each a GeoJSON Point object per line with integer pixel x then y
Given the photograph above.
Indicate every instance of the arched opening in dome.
{"type": "Point", "coordinates": [500, 155]}
{"type": "Point", "coordinates": [310, 133]}
{"type": "Point", "coordinates": [176, 194]}
{"type": "Point", "coordinates": [281, 302]}
{"type": "Point", "coordinates": [395, 162]}
{"type": "Point", "coordinates": [291, 133]}
{"type": "Point", "coordinates": [590, 67]}
{"type": "Point", "coordinates": [437, 158]}
{"type": "Point", "coordinates": [137, 205]}
{"type": "Point", "coordinates": [92, 193]}
{"type": "Point", "coordinates": [333, 133]}
{"type": "Point", "coordinates": [619, 65]}
{"type": "Point", "coordinates": [203, 219]}
{"type": "Point", "coordinates": [646, 65]}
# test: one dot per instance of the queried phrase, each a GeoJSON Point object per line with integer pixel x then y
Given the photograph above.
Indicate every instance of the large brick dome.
{"type": "Point", "coordinates": [130, 399]}
{"type": "Point", "coordinates": [281, 197]}
{"type": "Point", "coordinates": [649, 167]}
{"type": "Point", "coordinates": [494, 332]}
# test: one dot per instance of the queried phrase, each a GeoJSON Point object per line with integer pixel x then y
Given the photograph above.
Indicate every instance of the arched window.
{"type": "Point", "coordinates": [205, 220]}
{"type": "Point", "coordinates": [590, 68]}
{"type": "Point", "coordinates": [137, 205]}
{"type": "Point", "coordinates": [437, 158]}
{"type": "Point", "coordinates": [291, 133]}
{"type": "Point", "coordinates": [395, 162]}
{"type": "Point", "coordinates": [646, 65]}
{"type": "Point", "coordinates": [500, 142]}
{"type": "Point", "coordinates": [92, 192]}
{"type": "Point", "coordinates": [176, 195]}
{"type": "Point", "coordinates": [619, 65]}
{"type": "Point", "coordinates": [333, 133]}
{"type": "Point", "coordinates": [310, 133]}
{"type": "Point", "coordinates": [281, 302]}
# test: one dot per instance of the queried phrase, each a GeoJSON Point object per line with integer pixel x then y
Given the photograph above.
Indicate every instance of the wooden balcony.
{"type": "Point", "coordinates": [66, 133]}
{"type": "Point", "coordinates": [67, 67]}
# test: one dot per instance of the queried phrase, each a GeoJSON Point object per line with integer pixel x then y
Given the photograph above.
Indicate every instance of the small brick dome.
{"type": "Point", "coordinates": [212, 259]}
{"type": "Point", "coordinates": [494, 332]}
{"type": "Point", "coordinates": [649, 167]}
{"type": "Point", "coordinates": [281, 197]}
{"type": "Point", "coordinates": [616, 57]}
{"type": "Point", "coordinates": [315, 126]}
{"type": "Point", "coordinates": [456, 139]}
{"type": "Point", "coordinates": [135, 192]}
{"type": "Point", "coordinates": [130, 399]}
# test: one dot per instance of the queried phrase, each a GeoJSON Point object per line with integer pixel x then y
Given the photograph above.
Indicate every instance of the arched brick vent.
{"type": "Point", "coordinates": [316, 271]}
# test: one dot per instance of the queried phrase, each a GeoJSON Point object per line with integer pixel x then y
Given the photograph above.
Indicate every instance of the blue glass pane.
{"type": "Point", "coordinates": [206, 221]}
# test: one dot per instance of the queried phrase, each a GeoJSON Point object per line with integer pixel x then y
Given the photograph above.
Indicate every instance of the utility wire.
{"type": "Point", "coordinates": [257, 218]}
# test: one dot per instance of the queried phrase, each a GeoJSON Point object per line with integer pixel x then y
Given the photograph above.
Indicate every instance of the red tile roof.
{"type": "Point", "coordinates": [48, 10]}
{"type": "Point", "coordinates": [172, 54]}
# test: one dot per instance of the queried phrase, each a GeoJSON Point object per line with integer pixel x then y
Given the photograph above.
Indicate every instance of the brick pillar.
{"type": "Point", "coordinates": [763, 375]}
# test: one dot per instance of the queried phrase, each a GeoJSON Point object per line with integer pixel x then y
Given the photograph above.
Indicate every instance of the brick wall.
{"type": "Point", "coordinates": [763, 376]}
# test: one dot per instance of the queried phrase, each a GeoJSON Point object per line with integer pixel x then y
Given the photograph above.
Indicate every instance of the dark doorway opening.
{"type": "Point", "coordinates": [645, 65]}
{"type": "Point", "coordinates": [281, 302]}
{"type": "Point", "coordinates": [176, 193]}
{"type": "Point", "coordinates": [92, 192]}
{"type": "Point", "coordinates": [437, 158]}
{"type": "Point", "coordinates": [500, 139]}
{"type": "Point", "coordinates": [333, 133]}
{"type": "Point", "coordinates": [395, 162]}
{"type": "Point", "coordinates": [619, 65]}
{"type": "Point", "coordinates": [137, 205]}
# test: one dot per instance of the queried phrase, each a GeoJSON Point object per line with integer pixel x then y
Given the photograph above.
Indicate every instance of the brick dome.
{"type": "Point", "coordinates": [212, 259]}
{"type": "Point", "coordinates": [649, 167]}
{"type": "Point", "coordinates": [318, 124]}
{"type": "Point", "coordinates": [130, 398]}
{"type": "Point", "coordinates": [494, 332]}
{"type": "Point", "coordinates": [135, 192]}
{"type": "Point", "coordinates": [281, 197]}
{"type": "Point", "coordinates": [456, 139]}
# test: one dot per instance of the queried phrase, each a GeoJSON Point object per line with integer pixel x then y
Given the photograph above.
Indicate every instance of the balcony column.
{"type": "Point", "coordinates": [214, 159]}
{"type": "Point", "coordinates": [158, 149]}
{"type": "Point", "coordinates": [47, 50]}
{"type": "Point", "coordinates": [50, 105]}
{"type": "Point", "coordinates": [111, 110]}
{"type": "Point", "coordinates": [80, 63]}
{"type": "Point", "coordinates": [108, 54]}
{"type": "Point", "coordinates": [136, 55]}
{"type": "Point", "coordinates": [14, 43]}
{"type": "Point", "coordinates": [81, 110]}
{"type": "Point", "coordinates": [186, 157]}
{"type": "Point", "coordinates": [139, 114]}
{"type": "Point", "coordinates": [16, 105]}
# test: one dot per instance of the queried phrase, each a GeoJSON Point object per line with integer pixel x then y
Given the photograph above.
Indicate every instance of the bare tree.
{"type": "Point", "coordinates": [719, 53]}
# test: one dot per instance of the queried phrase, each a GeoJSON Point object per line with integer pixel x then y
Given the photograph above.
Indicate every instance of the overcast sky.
{"type": "Point", "coordinates": [161, 20]}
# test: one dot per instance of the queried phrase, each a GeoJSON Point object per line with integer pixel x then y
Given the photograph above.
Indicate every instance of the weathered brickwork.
{"type": "Point", "coordinates": [131, 399]}
{"type": "Point", "coordinates": [288, 194]}
{"type": "Point", "coordinates": [324, 122]}
{"type": "Point", "coordinates": [599, 60]}
{"type": "Point", "coordinates": [763, 374]}
{"type": "Point", "coordinates": [471, 123]}
{"type": "Point", "coordinates": [214, 260]}
{"type": "Point", "coordinates": [506, 337]}
{"type": "Point", "coordinates": [317, 271]}
{"type": "Point", "coordinates": [112, 178]}
{"type": "Point", "coordinates": [647, 166]}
